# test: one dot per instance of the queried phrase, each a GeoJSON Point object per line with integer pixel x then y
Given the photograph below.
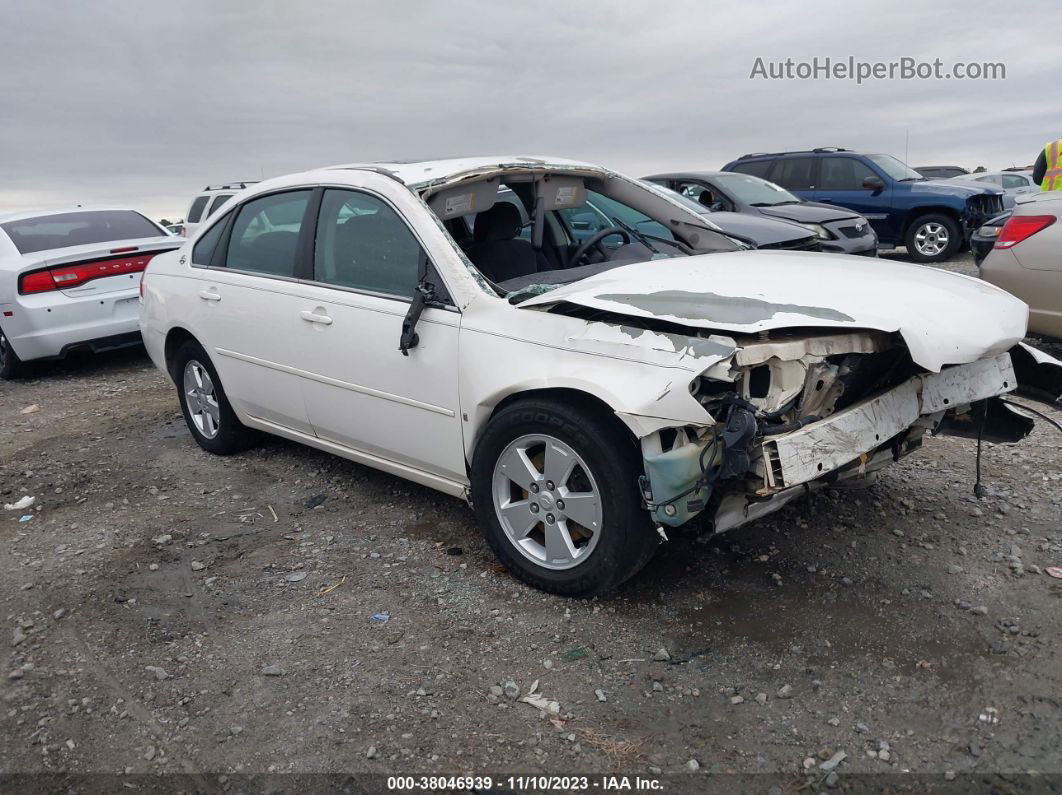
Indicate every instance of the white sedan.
{"type": "Point", "coordinates": [69, 279]}
{"type": "Point", "coordinates": [584, 396]}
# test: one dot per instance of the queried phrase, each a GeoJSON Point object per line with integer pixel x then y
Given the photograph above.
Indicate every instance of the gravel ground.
{"type": "Point", "coordinates": [285, 611]}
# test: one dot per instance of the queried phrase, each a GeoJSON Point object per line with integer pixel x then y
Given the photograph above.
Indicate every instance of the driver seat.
{"type": "Point", "coordinates": [497, 251]}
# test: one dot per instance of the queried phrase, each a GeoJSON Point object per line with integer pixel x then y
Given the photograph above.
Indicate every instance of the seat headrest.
{"type": "Point", "coordinates": [500, 222]}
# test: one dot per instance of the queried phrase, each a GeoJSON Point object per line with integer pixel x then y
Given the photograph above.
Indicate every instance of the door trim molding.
{"type": "Point", "coordinates": [322, 379]}
{"type": "Point", "coordinates": [455, 488]}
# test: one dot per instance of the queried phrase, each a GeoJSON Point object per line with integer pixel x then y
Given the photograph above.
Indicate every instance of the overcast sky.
{"type": "Point", "coordinates": [135, 104]}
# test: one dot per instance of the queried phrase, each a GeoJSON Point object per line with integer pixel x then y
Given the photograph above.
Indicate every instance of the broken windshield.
{"type": "Point", "coordinates": [534, 232]}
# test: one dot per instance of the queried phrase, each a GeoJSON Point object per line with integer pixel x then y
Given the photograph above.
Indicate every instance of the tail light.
{"type": "Point", "coordinates": [1020, 227]}
{"type": "Point", "coordinates": [66, 276]}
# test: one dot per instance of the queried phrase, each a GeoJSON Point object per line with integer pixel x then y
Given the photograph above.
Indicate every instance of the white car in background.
{"type": "Point", "coordinates": [583, 396]}
{"type": "Point", "coordinates": [208, 202]}
{"type": "Point", "coordinates": [70, 279]}
{"type": "Point", "coordinates": [1014, 182]}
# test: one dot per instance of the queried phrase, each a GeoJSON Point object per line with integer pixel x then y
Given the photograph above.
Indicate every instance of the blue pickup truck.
{"type": "Point", "coordinates": [932, 218]}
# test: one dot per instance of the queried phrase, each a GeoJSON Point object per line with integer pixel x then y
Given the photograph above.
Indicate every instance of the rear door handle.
{"type": "Point", "coordinates": [209, 295]}
{"type": "Point", "coordinates": [313, 317]}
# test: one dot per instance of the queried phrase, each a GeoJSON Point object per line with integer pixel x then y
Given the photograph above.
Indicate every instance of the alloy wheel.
{"type": "Point", "coordinates": [202, 399]}
{"type": "Point", "coordinates": [547, 501]}
{"type": "Point", "coordinates": [931, 239]}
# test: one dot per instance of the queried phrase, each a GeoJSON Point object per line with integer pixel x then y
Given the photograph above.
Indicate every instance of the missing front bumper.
{"type": "Point", "coordinates": [822, 447]}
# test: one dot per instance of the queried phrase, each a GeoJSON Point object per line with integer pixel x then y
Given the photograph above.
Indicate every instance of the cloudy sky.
{"type": "Point", "coordinates": [139, 104]}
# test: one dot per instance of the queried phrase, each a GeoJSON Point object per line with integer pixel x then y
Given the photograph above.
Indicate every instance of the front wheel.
{"type": "Point", "coordinates": [10, 365]}
{"type": "Point", "coordinates": [933, 238]}
{"type": "Point", "coordinates": [555, 489]}
{"type": "Point", "coordinates": [207, 412]}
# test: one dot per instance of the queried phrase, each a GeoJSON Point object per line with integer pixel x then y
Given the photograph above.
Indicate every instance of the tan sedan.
{"type": "Point", "coordinates": [1026, 260]}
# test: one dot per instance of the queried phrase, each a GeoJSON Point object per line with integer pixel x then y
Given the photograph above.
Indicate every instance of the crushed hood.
{"type": "Point", "coordinates": [944, 318]}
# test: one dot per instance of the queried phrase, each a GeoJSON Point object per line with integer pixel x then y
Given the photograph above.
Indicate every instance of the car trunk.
{"type": "Point", "coordinates": [95, 269]}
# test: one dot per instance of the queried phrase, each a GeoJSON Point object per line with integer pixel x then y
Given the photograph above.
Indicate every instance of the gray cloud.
{"type": "Point", "coordinates": [124, 103]}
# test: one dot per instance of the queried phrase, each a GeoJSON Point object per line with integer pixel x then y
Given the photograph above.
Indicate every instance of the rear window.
{"type": "Point", "coordinates": [78, 229]}
{"type": "Point", "coordinates": [196, 210]}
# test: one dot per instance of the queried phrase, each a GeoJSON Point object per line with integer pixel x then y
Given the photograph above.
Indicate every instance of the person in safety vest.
{"type": "Point", "coordinates": [1047, 172]}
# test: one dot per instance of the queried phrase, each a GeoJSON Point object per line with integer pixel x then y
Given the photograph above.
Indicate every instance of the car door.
{"type": "Point", "coordinates": [245, 308]}
{"type": "Point", "coordinates": [841, 183]}
{"type": "Point", "coordinates": [360, 391]}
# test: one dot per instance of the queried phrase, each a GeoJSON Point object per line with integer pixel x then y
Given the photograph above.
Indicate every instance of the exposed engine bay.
{"type": "Point", "coordinates": [792, 413]}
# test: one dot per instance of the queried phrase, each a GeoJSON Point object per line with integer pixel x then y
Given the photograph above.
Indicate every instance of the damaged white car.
{"type": "Point", "coordinates": [450, 322]}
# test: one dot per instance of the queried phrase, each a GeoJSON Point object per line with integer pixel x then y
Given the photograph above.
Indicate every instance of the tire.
{"type": "Point", "coordinates": [933, 238]}
{"type": "Point", "coordinates": [599, 465]}
{"type": "Point", "coordinates": [206, 409]}
{"type": "Point", "coordinates": [10, 365]}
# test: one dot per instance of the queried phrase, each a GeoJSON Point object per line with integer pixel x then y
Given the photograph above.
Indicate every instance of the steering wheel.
{"type": "Point", "coordinates": [595, 242]}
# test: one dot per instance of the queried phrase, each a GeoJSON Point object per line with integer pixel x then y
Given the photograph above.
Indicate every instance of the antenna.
{"type": "Point", "coordinates": [906, 145]}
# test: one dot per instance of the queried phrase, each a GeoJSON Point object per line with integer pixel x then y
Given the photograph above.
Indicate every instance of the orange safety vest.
{"type": "Point", "coordinates": [1053, 175]}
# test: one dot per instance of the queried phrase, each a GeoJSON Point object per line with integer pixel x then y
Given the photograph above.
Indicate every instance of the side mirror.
{"type": "Point", "coordinates": [873, 183]}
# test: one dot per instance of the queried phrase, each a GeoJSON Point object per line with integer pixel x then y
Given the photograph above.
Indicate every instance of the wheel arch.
{"type": "Point", "coordinates": [933, 209]}
{"type": "Point", "coordinates": [175, 338]}
{"type": "Point", "coordinates": [587, 400]}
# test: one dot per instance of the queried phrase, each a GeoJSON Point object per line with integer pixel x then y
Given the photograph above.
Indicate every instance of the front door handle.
{"type": "Point", "coordinates": [313, 317]}
{"type": "Point", "coordinates": [209, 295]}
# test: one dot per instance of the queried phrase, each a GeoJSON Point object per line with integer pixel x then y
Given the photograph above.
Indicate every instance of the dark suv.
{"type": "Point", "coordinates": [932, 219]}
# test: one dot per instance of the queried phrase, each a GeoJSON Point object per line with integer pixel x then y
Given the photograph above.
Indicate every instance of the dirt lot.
{"type": "Point", "coordinates": [165, 611]}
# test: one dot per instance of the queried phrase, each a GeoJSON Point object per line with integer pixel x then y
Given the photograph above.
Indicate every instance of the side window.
{"type": "Point", "coordinates": [203, 250]}
{"type": "Point", "coordinates": [364, 244]}
{"type": "Point", "coordinates": [218, 201]}
{"type": "Point", "coordinates": [755, 168]}
{"type": "Point", "coordinates": [843, 173]}
{"type": "Point", "coordinates": [694, 191]}
{"type": "Point", "coordinates": [1014, 181]}
{"type": "Point", "coordinates": [196, 210]}
{"type": "Point", "coordinates": [265, 234]}
{"type": "Point", "coordinates": [794, 173]}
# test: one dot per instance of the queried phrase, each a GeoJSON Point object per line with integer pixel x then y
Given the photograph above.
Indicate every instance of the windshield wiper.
{"type": "Point", "coordinates": [913, 179]}
{"type": "Point", "coordinates": [631, 230]}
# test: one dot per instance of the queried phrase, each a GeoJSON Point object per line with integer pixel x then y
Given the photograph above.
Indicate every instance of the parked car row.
{"type": "Point", "coordinates": [932, 218]}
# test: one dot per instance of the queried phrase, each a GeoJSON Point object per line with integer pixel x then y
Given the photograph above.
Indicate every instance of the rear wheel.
{"type": "Point", "coordinates": [555, 490]}
{"type": "Point", "coordinates": [206, 409]}
{"type": "Point", "coordinates": [933, 238]}
{"type": "Point", "coordinates": [10, 365]}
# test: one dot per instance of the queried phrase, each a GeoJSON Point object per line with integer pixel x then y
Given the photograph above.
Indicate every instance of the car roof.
{"type": "Point", "coordinates": [822, 150]}
{"type": "Point", "coordinates": [419, 172]}
{"type": "Point", "coordinates": [45, 211]}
